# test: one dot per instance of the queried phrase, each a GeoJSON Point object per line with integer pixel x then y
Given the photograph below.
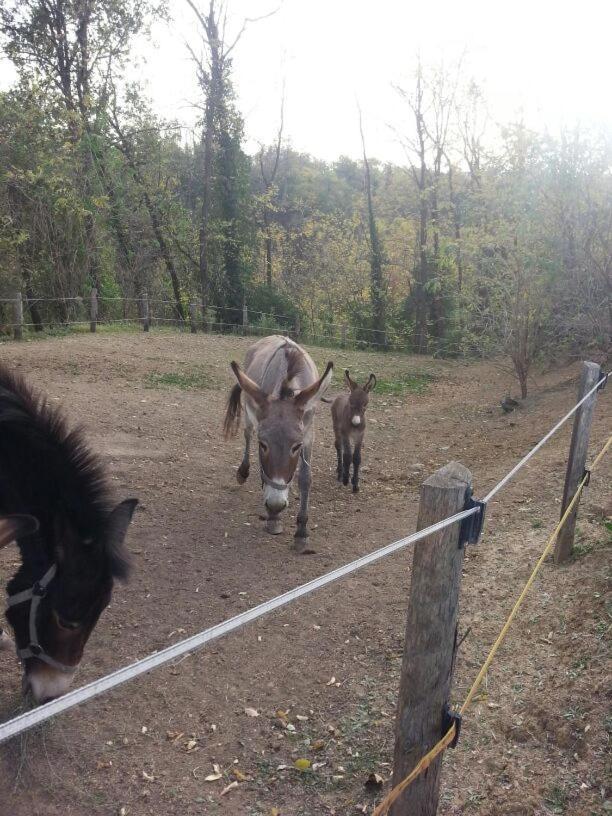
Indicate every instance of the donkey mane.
{"type": "Point", "coordinates": [296, 362]}
{"type": "Point", "coordinates": [47, 469]}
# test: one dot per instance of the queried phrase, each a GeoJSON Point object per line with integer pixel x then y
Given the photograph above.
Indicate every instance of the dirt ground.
{"type": "Point", "coordinates": [533, 744]}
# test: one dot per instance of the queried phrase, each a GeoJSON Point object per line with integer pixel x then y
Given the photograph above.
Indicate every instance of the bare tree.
{"type": "Point", "coordinates": [268, 176]}
{"type": "Point", "coordinates": [212, 66]}
{"type": "Point", "coordinates": [377, 286]}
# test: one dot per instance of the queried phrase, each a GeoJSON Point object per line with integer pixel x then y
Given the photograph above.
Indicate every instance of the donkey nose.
{"type": "Point", "coordinates": [276, 504]}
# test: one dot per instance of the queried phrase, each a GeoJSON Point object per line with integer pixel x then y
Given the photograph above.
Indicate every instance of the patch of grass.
{"type": "Point", "coordinates": [580, 550]}
{"type": "Point", "coordinates": [556, 800]}
{"type": "Point", "coordinates": [537, 524]}
{"type": "Point", "coordinates": [415, 382]}
{"type": "Point", "coordinates": [190, 380]}
{"type": "Point", "coordinates": [576, 669]}
{"type": "Point", "coordinates": [474, 799]}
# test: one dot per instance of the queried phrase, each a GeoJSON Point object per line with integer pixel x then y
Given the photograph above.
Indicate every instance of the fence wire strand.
{"type": "Point", "coordinates": [44, 712]}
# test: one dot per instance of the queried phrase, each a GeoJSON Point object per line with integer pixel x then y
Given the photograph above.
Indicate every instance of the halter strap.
{"type": "Point", "coordinates": [35, 595]}
{"type": "Point", "coordinates": [265, 479]}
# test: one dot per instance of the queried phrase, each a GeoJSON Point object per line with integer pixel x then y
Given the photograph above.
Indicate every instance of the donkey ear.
{"type": "Point", "coordinates": [248, 385]}
{"type": "Point", "coordinates": [118, 523]}
{"type": "Point", "coordinates": [371, 383]}
{"type": "Point", "coordinates": [308, 396]}
{"type": "Point", "coordinates": [13, 527]}
{"type": "Point", "coordinates": [347, 379]}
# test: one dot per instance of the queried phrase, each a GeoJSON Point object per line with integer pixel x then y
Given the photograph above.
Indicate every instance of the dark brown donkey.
{"type": "Point", "coordinates": [73, 552]}
{"type": "Point", "coordinates": [348, 414]}
{"type": "Point", "coordinates": [281, 388]}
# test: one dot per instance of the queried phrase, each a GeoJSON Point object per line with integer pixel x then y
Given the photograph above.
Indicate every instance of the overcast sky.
{"type": "Point", "coordinates": [548, 61]}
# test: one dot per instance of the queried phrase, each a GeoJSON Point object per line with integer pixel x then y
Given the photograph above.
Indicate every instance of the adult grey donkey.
{"type": "Point", "coordinates": [280, 388]}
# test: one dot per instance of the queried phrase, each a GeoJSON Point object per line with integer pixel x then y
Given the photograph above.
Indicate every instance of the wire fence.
{"type": "Point", "coordinates": [29, 719]}
{"type": "Point", "coordinates": [62, 314]}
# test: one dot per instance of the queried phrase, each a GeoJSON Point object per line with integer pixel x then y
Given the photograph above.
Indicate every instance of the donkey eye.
{"type": "Point", "coordinates": [66, 624]}
{"type": "Point", "coordinates": [263, 446]}
{"type": "Point", "coordinates": [295, 448]}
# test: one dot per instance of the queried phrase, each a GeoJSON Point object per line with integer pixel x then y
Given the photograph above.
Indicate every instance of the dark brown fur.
{"type": "Point", "coordinates": [48, 471]}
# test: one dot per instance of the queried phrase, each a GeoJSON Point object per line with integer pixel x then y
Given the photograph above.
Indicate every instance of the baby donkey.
{"type": "Point", "coordinates": [348, 415]}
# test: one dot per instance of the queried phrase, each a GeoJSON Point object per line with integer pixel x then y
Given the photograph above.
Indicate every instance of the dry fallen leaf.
{"type": "Point", "coordinates": [331, 682]}
{"type": "Point", "coordinates": [275, 812]}
{"type": "Point", "coordinates": [251, 712]}
{"type": "Point", "coordinates": [191, 744]}
{"type": "Point", "coordinates": [147, 777]}
{"type": "Point", "coordinates": [213, 777]}
{"type": "Point", "coordinates": [302, 764]}
{"type": "Point", "coordinates": [230, 787]}
{"type": "Point", "coordinates": [374, 780]}
{"type": "Point", "coordinates": [172, 736]}
{"type": "Point", "coordinates": [301, 717]}
{"type": "Point", "coordinates": [318, 745]}
{"type": "Point", "coordinates": [238, 775]}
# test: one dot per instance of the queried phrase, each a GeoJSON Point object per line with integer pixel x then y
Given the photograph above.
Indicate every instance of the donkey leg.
{"type": "Point", "coordinates": [346, 460]}
{"type": "Point", "coordinates": [356, 463]}
{"type": "Point", "coordinates": [243, 471]}
{"type": "Point", "coordinates": [304, 481]}
{"type": "Point", "coordinates": [338, 445]}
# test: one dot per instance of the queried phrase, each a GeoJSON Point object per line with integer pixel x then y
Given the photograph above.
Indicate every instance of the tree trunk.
{"type": "Point", "coordinates": [376, 274]}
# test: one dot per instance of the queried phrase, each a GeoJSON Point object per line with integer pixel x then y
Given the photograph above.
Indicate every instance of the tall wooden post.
{"type": "Point", "coordinates": [245, 319]}
{"type": "Point", "coordinates": [144, 310]}
{"type": "Point", "coordinates": [93, 309]}
{"type": "Point", "coordinates": [576, 462]}
{"type": "Point", "coordinates": [431, 637]}
{"type": "Point", "coordinates": [297, 329]}
{"type": "Point", "coordinates": [193, 317]}
{"type": "Point", "coordinates": [17, 316]}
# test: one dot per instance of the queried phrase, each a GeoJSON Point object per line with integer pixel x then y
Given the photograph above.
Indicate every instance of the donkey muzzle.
{"type": "Point", "coordinates": [46, 683]}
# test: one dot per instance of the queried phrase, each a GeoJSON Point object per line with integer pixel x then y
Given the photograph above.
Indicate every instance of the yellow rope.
{"type": "Point", "coordinates": [440, 746]}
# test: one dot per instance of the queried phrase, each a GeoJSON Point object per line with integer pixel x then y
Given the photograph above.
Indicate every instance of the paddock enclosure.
{"type": "Point", "coordinates": [317, 680]}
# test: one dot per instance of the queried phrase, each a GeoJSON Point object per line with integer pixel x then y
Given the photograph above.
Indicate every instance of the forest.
{"type": "Point", "coordinates": [490, 239]}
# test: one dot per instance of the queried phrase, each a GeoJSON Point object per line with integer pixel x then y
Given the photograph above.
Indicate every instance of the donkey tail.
{"type": "Point", "coordinates": [233, 412]}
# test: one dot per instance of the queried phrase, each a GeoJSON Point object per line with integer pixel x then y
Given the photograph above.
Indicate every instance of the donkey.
{"type": "Point", "coordinates": [281, 387]}
{"type": "Point", "coordinates": [348, 416]}
{"type": "Point", "coordinates": [70, 561]}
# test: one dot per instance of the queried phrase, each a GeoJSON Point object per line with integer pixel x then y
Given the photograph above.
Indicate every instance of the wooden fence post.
{"type": "Point", "coordinates": [93, 309]}
{"type": "Point", "coordinates": [297, 330]}
{"type": "Point", "coordinates": [579, 447]}
{"type": "Point", "coordinates": [431, 637]}
{"type": "Point", "coordinates": [343, 336]}
{"type": "Point", "coordinates": [144, 307]}
{"type": "Point", "coordinates": [245, 319]}
{"type": "Point", "coordinates": [193, 317]}
{"type": "Point", "coordinates": [17, 316]}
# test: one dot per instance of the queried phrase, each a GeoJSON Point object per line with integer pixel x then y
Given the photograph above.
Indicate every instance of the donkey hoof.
{"type": "Point", "coordinates": [6, 642]}
{"type": "Point", "coordinates": [355, 488]}
{"type": "Point", "coordinates": [241, 476]}
{"type": "Point", "coordinates": [301, 545]}
{"type": "Point", "coordinates": [274, 526]}
{"type": "Point", "coordinates": [345, 481]}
